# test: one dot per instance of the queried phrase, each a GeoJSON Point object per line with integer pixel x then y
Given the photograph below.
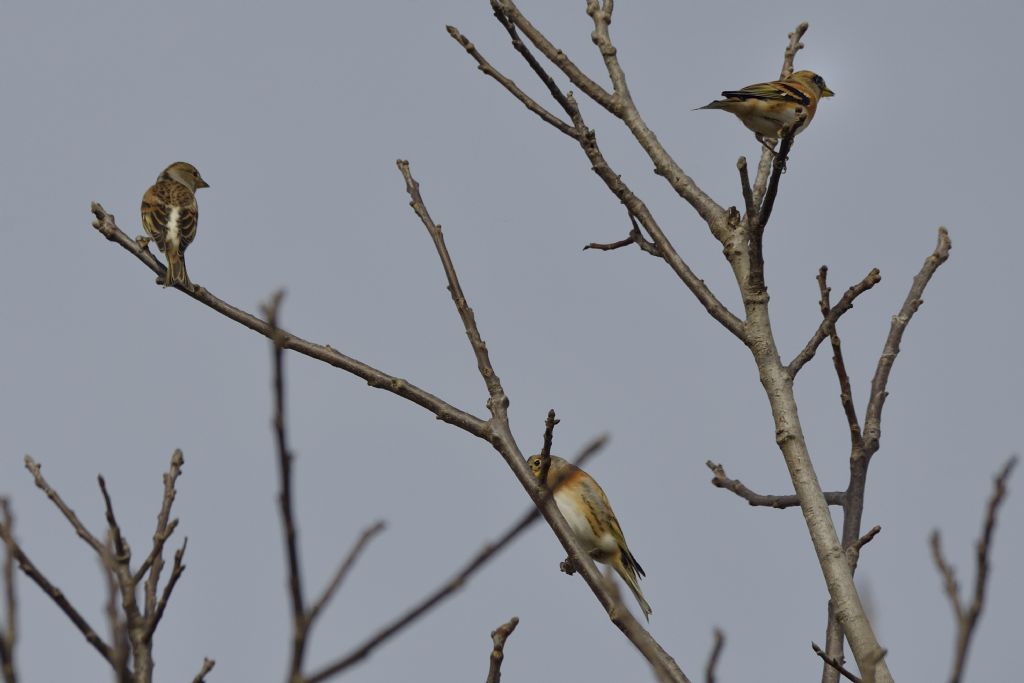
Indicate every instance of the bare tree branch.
{"type": "Point", "coordinates": [830, 319]}
{"type": "Point", "coordinates": [845, 390]}
{"type": "Point", "coordinates": [37, 474]}
{"type": "Point", "coordinates": [9, 626]}
{"type": "Point", "coordinates": [510, 85]}
{"type": "Point", "coordinates": [835, 664]}
{"type": "Point", "coordinates": [967, 615]}
{"type": "Point", "coordinates": [458, 581]}
{"type": "Point", "coordinates": [721, 480]}
{"type": "Point", "coordinates": [207, 667]}
{"type": "Point", "coordinates": [119, 636]}
{"type": "Point", "coordinates": [873, 414]}
{"type": "Point", "coordinates": [343, 570]}
{"type": "Point", "coordinates": [716, 652]}
{"type": "Point", "coordinates": [498, 637]}
{"type": "Point", "coordinates": [638, 211]}
{"type": "Point", "coordinates": [29, 569]}
{"type": "Point", "coordinates": [107, 227]}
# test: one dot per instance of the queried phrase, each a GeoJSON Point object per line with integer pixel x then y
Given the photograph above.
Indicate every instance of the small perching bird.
{"type": "Point", "coordinates": [589, 514]}
{"type": "Point", "coordinates": [771, 109]}
{"type": "Point", "coordinates": [170, 215]}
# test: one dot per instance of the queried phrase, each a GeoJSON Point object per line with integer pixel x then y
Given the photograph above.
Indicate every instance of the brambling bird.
{"type": "Point", "coordinates": [770, 109]}
{"type": "Point", "coordinates": [170, 214]}
{"type": "Point", "coordinates": [589, 514]}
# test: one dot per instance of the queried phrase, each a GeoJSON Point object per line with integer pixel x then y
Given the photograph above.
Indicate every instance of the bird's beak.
{"type": "Point", "coordinates": [201, 183]}
{"type": "Point", "coordinates": [827, 93]}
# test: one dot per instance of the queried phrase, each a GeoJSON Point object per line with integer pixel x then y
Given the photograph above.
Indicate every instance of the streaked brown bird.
{"type": "Point", "coordinates": [769, 109]}
{"type": "Point", "coordinates": [586, 509]}
{"type": "Point", "coordinates": [170, 215]}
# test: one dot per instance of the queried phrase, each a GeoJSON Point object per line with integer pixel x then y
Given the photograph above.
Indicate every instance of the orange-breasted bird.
{"type": "Point", "coordinates": [769, 109]}
{"type": "Point", "coordinates": [589, 514]}
{"type": "Point", "coordinates": [170, 215]}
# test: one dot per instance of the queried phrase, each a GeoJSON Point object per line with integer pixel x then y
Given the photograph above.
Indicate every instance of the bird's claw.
{"type": "Point", "coordinates": [567, 566]}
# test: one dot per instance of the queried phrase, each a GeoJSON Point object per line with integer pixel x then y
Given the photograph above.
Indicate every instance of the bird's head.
{"type": "Point", "coordinates": [814, 81]}
{"type": "Point", "coordinates": [184, 173]}
{"type": "Point", "coordinates": [536, 461]}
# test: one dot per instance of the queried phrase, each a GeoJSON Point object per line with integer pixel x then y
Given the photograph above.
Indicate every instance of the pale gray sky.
{"type": "Point", "coordinates": [295, 114]}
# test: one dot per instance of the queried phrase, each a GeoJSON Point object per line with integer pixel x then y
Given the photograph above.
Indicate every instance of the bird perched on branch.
{"type": "Point", "coordinates": [589, 514]}
{"type": "Point", "coordinates": [169, 216]}
{"type": "Point", "coordinates": [770, 109]}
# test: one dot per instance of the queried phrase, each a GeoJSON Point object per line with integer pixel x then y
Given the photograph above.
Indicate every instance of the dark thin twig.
{"type": "Point", "coordinates": [967, 616]}
{"type": "Point", "coordinates": [207, 667]}
{"type": "Point", "coordinates": [545, 451]}
{"type": "Point", "coordinates": [845, 390]}
{"type": "Point", "coordinates": [343, 570]}
{"type": "Point", "coordinates": [498, 638]}
{"type": "Point", "coordinates": [120, 547]}
{"type": "Point", "coordinates": [722, 481]}
{"type": "Point", "coordinates": [58, 596]}
{"type": "Point", "coordinates": [285, 458]}
{"type": "Point", "coordinates": [451, 586]}
{"type": "Point", "coordinates": [9, 626]}
{"type": "Point", "coordinates": [828, 323]}
{"type": "Point", "coordinates": [510, 85]}
{"type": "Point", "coordinates": [716, 652]}
{"type": "Point", "coordinates": [835, 664]}
{"type": "Point", "coordinates": [164, 528]}
{"type": "Point", "coordinates": [634, 237]}
{"type": "Point", "coordinates": [748, 195]}
{"type": "Point", "coordinates": [37, 474]}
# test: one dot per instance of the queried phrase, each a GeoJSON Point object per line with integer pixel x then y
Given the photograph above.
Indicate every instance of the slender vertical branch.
{"type": "Point", "coordinates": [498, 638]}
{"type": "Point", "coordinates": [716, 652]}
{"type": "Point", "coordinates": [9, 624]}
{"type": "Point", "coordinates": [967, 615]}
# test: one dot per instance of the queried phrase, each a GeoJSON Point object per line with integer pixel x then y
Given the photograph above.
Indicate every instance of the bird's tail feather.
{"type": "Point", "coordinates": [176, 273]}
{"type": "Point", "coordinates": [630, 578]}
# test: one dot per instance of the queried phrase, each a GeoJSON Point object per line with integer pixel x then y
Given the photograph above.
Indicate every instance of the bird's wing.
{"type": "Point", "coordinates": [775, 90]}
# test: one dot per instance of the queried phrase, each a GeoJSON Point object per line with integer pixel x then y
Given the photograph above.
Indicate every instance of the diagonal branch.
{"type": "Point", "coordinates": [497, 402]}
{"type": "Point", "coordinates": [510, 85]}
{"type": "Point", "coordinates": [375, 378]}
{"type": "Point", "coordinates": [835, 664]}
{"type": "Point", "coordinates": [873, 414]}
{"type": "Point", "coordinates": [829, 320]}
{"type": "Point", "coordinates": [343, 570]}
{"type": "Point", "coordinates": [967, 615]}
{"type": "Point", "coordinates": [207, 667]}
{"type": "Point", "coordinates": [458, 581]}
{"type": "Point", "coordinates": [37, 474]}
{"type": "Point", "coordinates": [722, 481]}
{"type": "Point", "coordinates": [60, 599]}
{"type": "Point", "coordinates": [620, 104]}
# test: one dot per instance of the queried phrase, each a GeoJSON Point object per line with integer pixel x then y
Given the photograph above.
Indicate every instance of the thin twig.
{"type": "Point", "coordinates": [498, 638]}
{"type": "Point", "coordinates": [545, 451]}
{"type": "Point", "coordinates": [9, 626]}
{"type": "Point", "coordinates": [343, 570]}
{"type": "Point", "coordinates": [207, 667]}
{"type": "Point", "coordinates": [37, 474]}
{"type": "Point", "coordinates": [375, 378]}
{"type": "Point", "coordinates": [289, 529]}
{"type": "Point", "coordinates": [794, 46]}
{"type": "Point", "coordinates": [497, 403]}
{"type": "Point", "coordinates": [967, 615]}
{"type": "Point", "coordinates": [828, 323]}
{"type": "Point", "coordinates": [835, 664]}
{"type": "Point", "coordinates": [721, 480]}
{"type": "Point", "coordinates": [716, 652]}
{"type": "Point", "coordinates": [176, 571]}
{"type": "Point", "coordinates": [164, 527]}
{"type": "Point", "coordinates": [120, 547]}
{"type": "Point", "coordinates": [29, 569]}
{"type": "Point", "coordinates": [457, 582]}
{"type": "Point", "coordinates": [873, 414]}
{"type": "Point", "coordinates": [845, 390]}
{"type": "Point", "coordinates": [510, 85]}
